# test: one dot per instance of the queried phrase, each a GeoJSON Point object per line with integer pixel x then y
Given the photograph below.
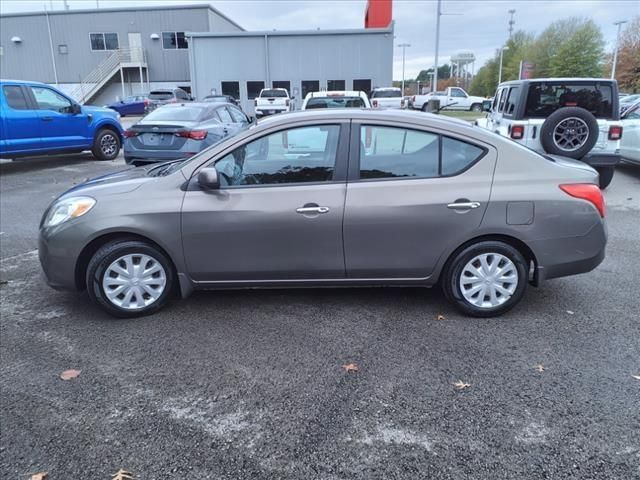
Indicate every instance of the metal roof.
{"type": "Point", "coordinates": [291, 33]}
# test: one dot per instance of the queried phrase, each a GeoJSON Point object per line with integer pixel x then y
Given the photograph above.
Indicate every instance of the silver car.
{"type": "Point", "coordinates": [178, 131]}
{"type": "Point", "coordinates": [331, 197]}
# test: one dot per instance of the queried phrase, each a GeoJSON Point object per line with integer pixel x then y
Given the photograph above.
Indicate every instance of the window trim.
{"type": "Point", "coordinates": [340, 167]}
{"type": "Point", "coordinates": [105, 49]}
{"type": "Point", "coordinates": [175, 35]}
{"type": "Point", "coordinates": [354, 157]}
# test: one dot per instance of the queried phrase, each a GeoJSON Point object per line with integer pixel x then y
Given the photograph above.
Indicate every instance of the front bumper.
{"type": "Point", "coordinates": [602, 159]}
{"type": "Point", "coordinates": [58, 254]}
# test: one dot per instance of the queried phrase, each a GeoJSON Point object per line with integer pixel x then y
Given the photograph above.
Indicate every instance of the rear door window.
{"type": "Point", "coordinates": [545, 98]}
{"type": "Point", "coordinates": [15, 97]}
{"type": "Point", "coordinates": [237, 115]}
{"type": "Point", "coordinates": [225, 117]}
{"type": "Point", "coordinates": [512, 98]}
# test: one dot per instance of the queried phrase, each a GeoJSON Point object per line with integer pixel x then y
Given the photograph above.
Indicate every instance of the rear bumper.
{"type": "Point", "coordinates": [263, 112]}
{"type": "Point", "coordinates": [602, 159]}
{"type": "Point", "coordinates": [571, 255]}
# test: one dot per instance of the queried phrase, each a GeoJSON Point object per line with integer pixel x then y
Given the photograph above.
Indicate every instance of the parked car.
{"type": "Point", "coordinates": [37, 119]}
{"type": "Point", "coordinates": [574, 117]}
{"type": "Point", "coordinates": [180, 130]}
{"type": "Point", "coordinates": [271, 101]}
{"type": "Point", "coordinates": [220, 99]}
{"type": "Point", "coordinates": [630, 143]}
{"type": "Point", "coordinates": [132, 105]}
{"type": "Point", "coordinates": [165, 96]}
{"type": "Point", "coordinates": [290, 202]}
{"type": "Point", "coordinates": [336, 99]}
{"type": "Point", "coordinates": [627, 101]}
{"type": "Point", "coordinates": [389, 97]}
{"type": "Point", "coordinates": [453, 98]}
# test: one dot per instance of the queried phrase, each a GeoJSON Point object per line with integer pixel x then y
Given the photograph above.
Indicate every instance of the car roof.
{"type": "Point", "coordinates": [559, 80]}
{"type": "Point", "coordinates": [22, 82]}
{"type": "Point", "coordinates": [196, 104]}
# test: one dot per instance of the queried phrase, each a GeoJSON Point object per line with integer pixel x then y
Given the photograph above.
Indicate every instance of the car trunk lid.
{"type": "Point", "coordinates": [160, 135]}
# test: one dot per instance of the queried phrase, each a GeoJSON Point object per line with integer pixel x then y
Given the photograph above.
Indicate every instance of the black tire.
{"type": "Point", "coordinates": [451, 275]}
{"type": "Point", "coordinates": [424, 107]}
{"type": "Point", "coordinates": [476, 107]}
{"type": "Point", "coordinates": [556, 118]}
{"type": "Point", "coordinates": [106, 145]}
{"type": "Point", "coordinates": [108, 254]}
{"type": "Point", "coordinates": [605, 175]}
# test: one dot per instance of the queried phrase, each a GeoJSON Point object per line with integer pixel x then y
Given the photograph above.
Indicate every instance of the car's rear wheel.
{"type": "Point", "coordinates": [485, 279]}
{"type": "Point", "coordinates": [106, 145]}
{"type": "Point", "coordinates": [476, 107]}
{"type": "Point", "coordinates": [605, 175]}
{"type": "Point", "coordinates": [130, 278]}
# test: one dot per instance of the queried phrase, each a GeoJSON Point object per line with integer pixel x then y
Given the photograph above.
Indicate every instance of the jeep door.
{"type": "Point", "coordinates": [412, 194]}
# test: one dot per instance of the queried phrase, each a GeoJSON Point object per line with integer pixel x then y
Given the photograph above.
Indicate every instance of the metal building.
{"type": "Point", "coordinates": [100, 54]}
{"type": "Point", "coordinates": [242, 63]}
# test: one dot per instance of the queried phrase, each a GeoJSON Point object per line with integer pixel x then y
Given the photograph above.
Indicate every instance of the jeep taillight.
{"type": "Point", "coordinates": [517, 132]}
{"type": "Point", "coordinates": [586, 191]}
{"type": "Point", "coordinates": [615, 132]}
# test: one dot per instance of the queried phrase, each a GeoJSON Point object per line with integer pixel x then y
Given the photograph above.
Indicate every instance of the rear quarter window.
{"type": "Point", "coordinates": [15, 97]}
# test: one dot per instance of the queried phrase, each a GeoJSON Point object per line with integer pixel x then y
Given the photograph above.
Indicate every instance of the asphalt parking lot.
{"type": "Point", "coordinates": [251, 384]}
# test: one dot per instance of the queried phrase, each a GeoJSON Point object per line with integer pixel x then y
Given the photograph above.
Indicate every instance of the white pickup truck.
{"type": "Point", "coordinates": [389, 97]}
{"type": "Point", "coordinates": [272, 101]}
{"type": "Point", "coordinates": [453, 98]}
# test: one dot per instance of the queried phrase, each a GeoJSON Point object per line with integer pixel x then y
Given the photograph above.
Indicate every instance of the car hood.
{"type": "Point", "coordinates": [99, 110]}
{"type": "Point", "coordinates": [115, 183]}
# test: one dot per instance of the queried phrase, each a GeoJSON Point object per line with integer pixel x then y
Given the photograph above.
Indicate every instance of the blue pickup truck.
{"type": "Point", "coordinates": [37, 119]}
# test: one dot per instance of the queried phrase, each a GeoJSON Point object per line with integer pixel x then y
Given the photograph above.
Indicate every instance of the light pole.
{"type": "Point", "coordinates": [403, 46]}
{"type": "Point", "coordinates": [500, 69]}
{"type": "Point", "coordinates": [615, 52]}
{"type": "Point", "coordinates": [434, 85]}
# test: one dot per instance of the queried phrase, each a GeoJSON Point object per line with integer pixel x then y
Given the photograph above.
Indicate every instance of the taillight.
{"type": "Point", "coordinates": [586, 191]}
{"type": "Point", "coordinates": [615, 132]}
{"type": "Point", "coordinates": [146, 102]}
{"type": "Point", "coordinates": [375, 104]}
{"type": "Point", "coordinates": [130, 133]}
{"type": "Point", "coordinates": [517, 132]}
{"type": "Point", "coordinates": [192, 134]}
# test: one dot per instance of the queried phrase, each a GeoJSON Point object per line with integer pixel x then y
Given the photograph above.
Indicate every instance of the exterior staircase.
{"type": "Point", "coordinates": [133, 57]}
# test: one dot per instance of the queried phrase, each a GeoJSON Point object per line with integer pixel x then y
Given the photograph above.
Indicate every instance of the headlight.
{"type": "Point", "coordinates": [67, 209]}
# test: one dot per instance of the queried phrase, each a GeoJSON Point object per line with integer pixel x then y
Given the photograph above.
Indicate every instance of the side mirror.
{"type": "Point", "coordinates": [208, 178]}
{"type": "Point", "coordinates": [75, 109]}
{"type": "Point", "coordinates": [486, 106]}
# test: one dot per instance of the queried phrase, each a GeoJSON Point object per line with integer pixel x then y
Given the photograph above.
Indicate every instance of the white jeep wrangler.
{"type": "Point", "coordinates": [573, 117]}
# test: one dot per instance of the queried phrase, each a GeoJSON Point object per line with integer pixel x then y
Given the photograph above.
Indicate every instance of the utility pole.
{"type": "Point", "coordinates": [512, 22]}
{"type": "Point", "coordinates": [619, 23]}
{"type": "Point", "coordinates": [403, 46]}
{"type": "Point", "coordinates": [434, 85]}
{"type": "Point", "coordinates": [500, 70]}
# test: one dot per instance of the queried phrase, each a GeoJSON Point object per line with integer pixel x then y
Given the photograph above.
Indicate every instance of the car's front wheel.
{"type": "Point", "coordinates": [486, 279]}
{"type": "Point", "coordinates": [476, 107]}
{"type": "Point", "coordinates": [130, 278]}
{"type": "Point", "coordinates": [106, 145]}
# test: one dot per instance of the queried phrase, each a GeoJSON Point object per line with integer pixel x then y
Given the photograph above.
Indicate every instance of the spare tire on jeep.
{"type": "Point", "coordinates": [569, 131]}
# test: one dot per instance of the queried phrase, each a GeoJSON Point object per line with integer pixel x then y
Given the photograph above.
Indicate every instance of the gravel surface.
{"type": "Point", "coordinates": [250, 384]}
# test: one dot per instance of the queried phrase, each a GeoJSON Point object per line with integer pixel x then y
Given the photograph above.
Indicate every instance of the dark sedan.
{"type": "Point", "coordinates": [220, 98]}
{"type": "Point", "coordinates": [132, 105]}
{"type": "Point", "coordinates": [181, 130]}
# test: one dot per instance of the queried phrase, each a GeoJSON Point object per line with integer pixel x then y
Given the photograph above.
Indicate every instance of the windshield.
{"type": "Point", "coordinates": [545, 98]}
{"type": "Point", "coordinates": [161, 95]}
{"type": "Point", "coordinates": [274, 93]}
{"type": "Point", "coordinates": [335, 102]}
{"type": "Point", "coordinates": [386, 93]}
{"type": "Point", "coordinates": [182, 113]}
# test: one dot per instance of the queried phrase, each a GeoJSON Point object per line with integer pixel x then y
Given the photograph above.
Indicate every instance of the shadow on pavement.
{"type": "Point", "coordinates": [26, 164]}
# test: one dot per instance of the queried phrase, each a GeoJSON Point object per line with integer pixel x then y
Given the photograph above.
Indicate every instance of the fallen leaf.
{"type": "Point", "coordinates": [440, 317]}
{"type": "Point", "coordinates": [637, 377]}
{"type": "Point", "coordinates": [460, 385]}
{"type": "Point", "coordinates": [350, 367]}
{"type": "Point", "coordinates": [69, 374]}
{"type": "Point", "coordinates": [570, 312]}
{"type": "Point", "coordinates": [122, 475]}
{"type": "Point", "coordinates": [539, 368]}
{"type": "Point", "coordinates": [39, 476]}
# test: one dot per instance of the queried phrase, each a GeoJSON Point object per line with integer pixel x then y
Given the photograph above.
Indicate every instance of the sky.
{"type": "Point", "coordinates": [480, 26]}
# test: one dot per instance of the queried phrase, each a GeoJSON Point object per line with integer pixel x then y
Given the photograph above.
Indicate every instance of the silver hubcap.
{"type": "Point", "coordinates": [134, 281]}
{"type": "Point", "coordinates": [488, 280]}
{"type": "Point", "coordinates": [570, 134]}
{"type": "Point", "coordinates": [108, 144]}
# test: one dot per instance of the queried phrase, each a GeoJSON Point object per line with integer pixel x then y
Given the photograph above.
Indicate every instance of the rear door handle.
{"type": "Point", "coordinates": [463, 205]}
{"type": "Point", "coordinates": [46, 119]}
{"type": "Point", "coordinates": [308, 210]}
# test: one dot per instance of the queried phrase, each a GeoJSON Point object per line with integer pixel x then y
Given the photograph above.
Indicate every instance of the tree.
{"type": "Point", "coordinates": [628, 65]}
{"type": "Point", "coordinates": [444, 71]}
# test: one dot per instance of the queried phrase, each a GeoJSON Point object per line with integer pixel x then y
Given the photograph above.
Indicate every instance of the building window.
{"type": "Point", "coordinates": [336, 85]}
{"type": "Point", "coordinates": [174, 40]}
{"type": "Point", "coordinates": [309, 86]}
{"type": "Point", "coordinates": [63, 49]}
{"type": "Point", "coordinates": [104, 41]}
{"type": "Point", "coordinates": [253, 89]}
{"type": "Point", "coordinates": [283, 84]}
{"type": "Point", "coordinates": [362, 85]}
{"type": "Point", "coordinates": [232, 89]}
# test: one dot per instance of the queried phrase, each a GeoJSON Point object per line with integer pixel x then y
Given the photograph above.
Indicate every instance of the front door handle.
{"type": "Point", "coordinates": [463, 205]}
{"type": "Point", "coordinates": [312, 210]}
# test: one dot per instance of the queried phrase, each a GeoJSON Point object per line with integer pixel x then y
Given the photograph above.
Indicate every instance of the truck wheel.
{"type": "Point", "coordinates": [605, 175]}
{"type": "Point", "coordinates": [106, 145]}
{"type": "Point", "coordinates": [424, 107]}
{"type": "Point", "coordinates": [476, 107]}
{"type": "Point", "coordinates": [569, 131]}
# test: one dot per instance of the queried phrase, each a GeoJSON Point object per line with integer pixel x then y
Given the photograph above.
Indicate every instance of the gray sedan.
{"type": "Point", "coordinates": [334, 197]}
{"type": "Point", "coordinates": [178, 131]}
